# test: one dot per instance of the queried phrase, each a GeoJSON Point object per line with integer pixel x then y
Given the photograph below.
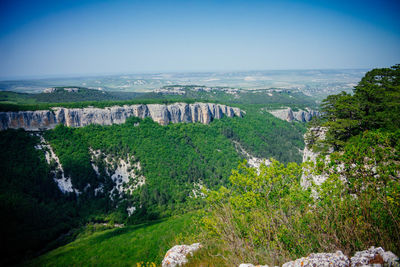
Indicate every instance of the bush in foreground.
{"type": "Point", "coordinates": [267, 217]}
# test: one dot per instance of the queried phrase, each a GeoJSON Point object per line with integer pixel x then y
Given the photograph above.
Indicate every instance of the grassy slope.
{"type": "Point", "coordinates": [7, 97]}
{"type": "Point", "coordinates": [119, 247]}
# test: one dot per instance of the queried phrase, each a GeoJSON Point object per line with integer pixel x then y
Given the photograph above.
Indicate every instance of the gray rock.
{"type": "Point", "coordinates": [176, 256]}
{"type": "Point", "coordinates": [289, 115]}
{"type": "Point", "coordinates": [34, 120]}
{"type": "Point", "coordinates": [320, 259]}
{"type": "Point", "coordinates": [79, 117]}
{"type": "Point", "coordinates": [317, 134]}
{"type": "Point", "coordinates": [251, 265]}
{"type": "Point", "coordinates": [374, 257]}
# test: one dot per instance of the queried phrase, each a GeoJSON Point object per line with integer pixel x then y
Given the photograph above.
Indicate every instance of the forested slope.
{"type": "Point", "coordinates": [176, 156]}
{"type": "Point", "coordinates": [175, 160]}
{"type": "Point", "coordinates": [34, 211]}
{"type": "Point", "coordinates": [267, 217]}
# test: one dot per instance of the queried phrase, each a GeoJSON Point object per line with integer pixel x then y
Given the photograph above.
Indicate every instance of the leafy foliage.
{"type": "Point", "coordinates": [267, 217]}
{"type": "Point", "coordinates": [369, 200]}
{"type": "Point", "coordinates": [264, 136]}
{"type": "Point", "coordinates": [262, 217]}
{"type": "Point", "coordinates": [375, 104]}
{"type": "Point", "coordinates": [173, 157]}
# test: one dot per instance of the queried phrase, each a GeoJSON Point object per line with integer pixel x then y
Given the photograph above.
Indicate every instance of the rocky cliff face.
{"type": "Point", "coordinates": [289, 115]}
{"type": "Point", "coordinates": [78, 117]}
{"type": "Point", "coordinates": [312, 136]}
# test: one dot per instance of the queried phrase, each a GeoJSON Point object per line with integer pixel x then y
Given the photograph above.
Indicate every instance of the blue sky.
{"type": "Point", "coordinates": [40, 38]}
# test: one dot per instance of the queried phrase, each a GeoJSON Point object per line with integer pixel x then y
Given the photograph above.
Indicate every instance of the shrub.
{"type": "Point", "coordinates": [265, 216]}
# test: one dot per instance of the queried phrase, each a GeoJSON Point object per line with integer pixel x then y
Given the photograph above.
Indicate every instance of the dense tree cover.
{"type": "Point", "coordinates": [269, 98]}
{"type": "Point", "coordinates": [265, 136]}
{"type": "Point", "coordinates": [83, 94]}
{"type": "Point", "coordinates": [375, 104]}
{"type": "Point", "coordinates": [176, 156]}
{"type": "Point", "coordinates": [62, 96]}
{"type": "Point", "coordinates": [172, 157]}
{"type": "Point", "coordinates": [36, 215]}
{"type": "Point", "coordinates": [11, 101]}
{"type": "Point", "coordinates": [19, 106]}
{"type": "Point", "coordinates": [33, 210]}
{"type": "Point", "coordinates": [266, 217]}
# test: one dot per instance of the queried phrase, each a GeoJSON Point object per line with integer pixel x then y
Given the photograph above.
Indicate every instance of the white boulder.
{"type": "Point", "coordinates": [320, 259]}
{"type": "Point", "coordinates": [176, 256]}
{"type": "Point", "coordinates": [374, 257]}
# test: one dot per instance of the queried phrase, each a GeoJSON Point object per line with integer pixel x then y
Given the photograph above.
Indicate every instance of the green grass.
{"type": "Point", "coordinates": [119, 247]}
{"type": "Point", "coordinates": [7, 97]}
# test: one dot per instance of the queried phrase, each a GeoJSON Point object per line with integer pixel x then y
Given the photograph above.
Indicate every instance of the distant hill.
{"type": "Point", "coordinates": [65, 94]}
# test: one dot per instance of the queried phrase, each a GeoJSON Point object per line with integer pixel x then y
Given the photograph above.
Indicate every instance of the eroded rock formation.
{"type": "Point", "coordinates": [311, 137]}
{"type": "Point", "coordinates": [78, 117]}
{"type": "Point", "coordinates": [123, 171]}
{"type": "Point", "coordinates": [289, 115]}
{"type": "Point", "coordinates": [63, 182]}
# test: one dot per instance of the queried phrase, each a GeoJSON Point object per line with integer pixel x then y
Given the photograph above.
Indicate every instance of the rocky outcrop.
{"type": "Point", "coordinates": [251, 265]}
{"type": "Point", "coordinates": [252, 161]}
{"type": "Point", "coordinates": [28, 120]}
{"type": "Point", "coordinates": [79, 117]}
{"type": "Point", "coordinates": [337, 259]}
{"type": "Point", "coordinates": [312, 136]}
{"type": "Point", "coordinates": [374, 257]}
{"type": "Point", "coordinates": [63, 182]}
{"type": "Point", "coordinates": [176, 256]}
{"type": "Point", "coordinates": [289, 115]}
{"type": "Point", "coordinates": [124, 172]}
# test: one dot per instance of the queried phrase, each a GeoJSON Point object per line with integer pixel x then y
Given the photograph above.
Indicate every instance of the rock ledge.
{"type": "Point", "coordinates": [79, 117]}
{"type": "Point", "coordinates": [374, 257]}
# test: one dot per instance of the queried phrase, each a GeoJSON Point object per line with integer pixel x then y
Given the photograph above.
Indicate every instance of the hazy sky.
{"type": "Point", "coordinates": [40, 38]}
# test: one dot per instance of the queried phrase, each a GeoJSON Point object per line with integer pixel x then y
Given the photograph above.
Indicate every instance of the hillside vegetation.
{"type": "Point", "coordinates": [266, 217]}
{"type": "Point", "coordinates": [63, 95]}
{"type": "Point", "coordinates": [261, 216]}
{"type": "Point", "coordinates": [83, 97]}
{"type": "Point", "coordinates": [34, 211]}
{"type": "Point", "coordinates": [174, 159]}
{"type": "Point", "coordinates": [176, 156]}
{"type": "Point", "coordinates": [144, 244]}
{"type": "Point", "coordinates": [375, 104]}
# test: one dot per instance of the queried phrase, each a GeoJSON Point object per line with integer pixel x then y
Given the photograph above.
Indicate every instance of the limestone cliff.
{"type": "Point", "coordinates": [79, 117]}
{"type": "Point", "coordinates": [289, 115]}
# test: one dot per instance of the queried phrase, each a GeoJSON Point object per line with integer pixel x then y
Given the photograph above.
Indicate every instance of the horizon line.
{"type": "Point", "coordinates": [100, 74]}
